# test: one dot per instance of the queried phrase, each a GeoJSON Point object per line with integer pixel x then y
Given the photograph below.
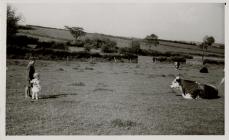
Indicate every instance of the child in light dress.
{"type": "Point", "coordinates": [36, 89]}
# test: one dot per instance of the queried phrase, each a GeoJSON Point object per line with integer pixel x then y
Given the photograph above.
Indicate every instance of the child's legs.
{"type": "Point", "coordinates": [33, 95]}
{"type": "Point", "coordinates": [36, 95]}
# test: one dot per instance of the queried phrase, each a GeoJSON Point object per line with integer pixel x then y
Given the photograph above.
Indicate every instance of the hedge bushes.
{"type": "Point", "coordinates": [24, 41]}
{"type": "Point", "coordinates": [109, 46]}
{"type": "Point", "coordinates": [211, 61]}
{"type": "Point", "coordinates": [106, 45]}
{"type": "Point", "coordinates": [51, 45]}
{"type": "Point", "coordinates": [50, 54]}
{"type": "Point", "coordinates": [171, 59]}
{"type": "Point", "coordinates": [21, 40]}
{"type": "Point", "coordinates": [136, 50]}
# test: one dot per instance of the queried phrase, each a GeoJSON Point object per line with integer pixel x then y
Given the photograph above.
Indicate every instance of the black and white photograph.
{"type": "Point", "coordinates": [114, 69]}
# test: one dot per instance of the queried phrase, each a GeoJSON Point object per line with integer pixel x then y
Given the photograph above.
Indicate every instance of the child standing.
{"type": "Point", "coordinates": [36, 86]}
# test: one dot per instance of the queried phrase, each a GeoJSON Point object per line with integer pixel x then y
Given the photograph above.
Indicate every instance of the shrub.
{"type": "Point", "coordinates": [133, 49]}
{"type": "Point", "coordinates": [87, 47]}
{"type": "Point", "coordinates": [178, 58]}
{"type": "Point", "coordinates": [79, 43]}
{"type": "Point", "coordinates": [22, 40]}
{"type": "Point", "coordinates": [123, 50]}
{"type": "Point", "coordinates": [51, 54]}
{"type": "Point", "coordinates": [107, 46]}
{"type": "Point", "coordinates": [109, 49]}
{"type": "Point", "coordinates": [211, 61]}
{"type": "Point", "coordinates": [52, 45]}
{"type": "Point", "coordinates": [98, 43]}
{"type": "Point", "coordinates": [162, 58]}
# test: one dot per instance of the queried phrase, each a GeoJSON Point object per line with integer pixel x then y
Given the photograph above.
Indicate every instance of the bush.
{"type": "Point", "coordinates": [178, 58]}
{"type": "Point", "coordinates": [98, 43]}
{"type": "Point", "coordinates": [79, 43]}
{"type": "Point", "coordinates": [109, 49]}
{"type": "Point", "coordinates": [87, 47]}
{"type": "Point", "coordinates": [109, 46]}
{"type": "Point", "coordinates": [22, 40]}
{"type": "Point", "coordinates": [211, 61]}
{"type": "Point", "coordinates": [162, 59]}
{"type": "Point", "coordinates": [52, 45]}
{"type": "Point", "coordinates": [50, 54]}
{"type": "Point", "coordinates": [133, 49]}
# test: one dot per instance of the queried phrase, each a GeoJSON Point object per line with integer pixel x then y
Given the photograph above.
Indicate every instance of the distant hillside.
{"type": "Point", "coordinates": [63, 35]}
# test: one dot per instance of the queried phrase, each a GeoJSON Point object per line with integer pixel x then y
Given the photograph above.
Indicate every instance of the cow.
{"type": "Point", "coordinates": [193, 90]}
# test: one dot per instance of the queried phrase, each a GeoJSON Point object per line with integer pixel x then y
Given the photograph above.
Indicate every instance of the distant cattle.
{"type": "Point", "coordinates": [192, 89]}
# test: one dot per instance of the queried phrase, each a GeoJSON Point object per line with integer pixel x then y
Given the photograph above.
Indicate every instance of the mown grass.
{"type": "Point", "coordinates": [111, 102]}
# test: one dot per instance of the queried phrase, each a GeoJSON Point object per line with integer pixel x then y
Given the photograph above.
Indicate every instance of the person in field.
{"type": "Point", "coordinates": [29, 76]}
{"type": "Point", "coordinates": [36, 89]}
{"type": "Point", "coordinates": [177, 65]}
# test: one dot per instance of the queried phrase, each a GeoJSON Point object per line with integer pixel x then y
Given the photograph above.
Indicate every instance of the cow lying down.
{"type": "Point", "coordinates": [192, 89]}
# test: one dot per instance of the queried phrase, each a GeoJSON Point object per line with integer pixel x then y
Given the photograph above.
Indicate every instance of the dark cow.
{"type": "Point", "coordinates": [192, 89]}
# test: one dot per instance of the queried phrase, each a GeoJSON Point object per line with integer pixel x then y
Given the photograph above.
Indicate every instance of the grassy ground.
{"type": "Point", "coordinates": [80, 98]}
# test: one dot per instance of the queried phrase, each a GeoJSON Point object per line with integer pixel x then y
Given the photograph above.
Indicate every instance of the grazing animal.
{"type": "Point", "coordinates": [192, 89]}
{"type": "Point", "coordinates": [204, 70]}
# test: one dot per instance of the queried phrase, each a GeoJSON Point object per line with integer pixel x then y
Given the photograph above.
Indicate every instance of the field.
{"type": "Point", "coordinates": [105, 98]}
{"type": "Point", "coordinates": [61, 35]}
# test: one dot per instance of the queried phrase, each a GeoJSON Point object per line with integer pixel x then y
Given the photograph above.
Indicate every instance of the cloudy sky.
{"type": "Point", "coordinates": [190, 21]}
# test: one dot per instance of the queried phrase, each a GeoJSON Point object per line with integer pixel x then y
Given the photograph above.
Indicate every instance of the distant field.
{"type": "Point", "coordinates": [61, 35]}
{"type": "Point", "coordinates": [165, 47]}
{"type": "Point", "coordinates": [80, 98]}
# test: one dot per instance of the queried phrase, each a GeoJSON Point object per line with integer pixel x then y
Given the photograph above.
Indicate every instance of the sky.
{"type": "Point", "coordinates": [176, 21]}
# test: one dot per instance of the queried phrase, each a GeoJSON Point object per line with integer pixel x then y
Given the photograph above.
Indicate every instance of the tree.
{"type": "Point", "coordinates": [12, 22]}
{"type": "Point", "coordinates": [152, 39]}
{"type": "Point", "coordinates": [109, 46]}
{"type": "Point", "coordinates": [207, 41]}
{"type": "Point", "coordinates": [76, 31]}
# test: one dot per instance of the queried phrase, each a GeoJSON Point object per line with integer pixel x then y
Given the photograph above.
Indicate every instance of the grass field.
{"type": "Point", "coordinates": [60, 35]}
{"type": "Point", "coordinates": [80, 98]}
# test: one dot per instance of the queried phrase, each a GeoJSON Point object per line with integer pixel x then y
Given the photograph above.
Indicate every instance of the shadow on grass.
{"type": "Point", "coordinates": [212, 98]}
{"type": "Point", "coordinates": [55, 96]}
{"type": "Point", "coordinates": [103, 89]}
{"type": "Point", "coordinates": [203, 98]}
{"type": "Point", "coordinates": [77, 84]}
{"type": "Point", "coordinates": [123, 123]}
